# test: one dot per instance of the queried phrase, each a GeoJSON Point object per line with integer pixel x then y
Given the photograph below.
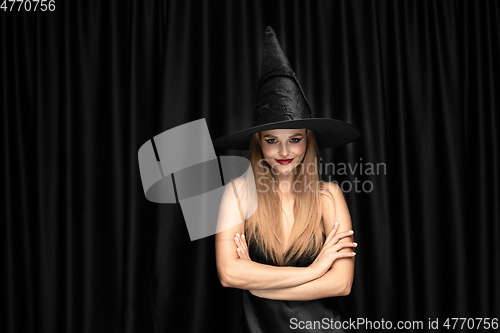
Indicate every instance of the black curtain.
{"type": "Point", "coordinates": [85, 85]}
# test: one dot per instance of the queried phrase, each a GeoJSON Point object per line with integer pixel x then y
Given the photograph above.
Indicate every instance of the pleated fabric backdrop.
{"type": "Point", "coordinates": [83, 87]}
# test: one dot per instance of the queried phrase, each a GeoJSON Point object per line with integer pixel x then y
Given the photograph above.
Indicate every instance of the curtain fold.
{"type": "Point", "coordinates": [83, 87]}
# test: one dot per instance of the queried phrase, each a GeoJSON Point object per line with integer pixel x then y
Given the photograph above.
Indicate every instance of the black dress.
{"type": "Point", "coordinates": [262, 315]}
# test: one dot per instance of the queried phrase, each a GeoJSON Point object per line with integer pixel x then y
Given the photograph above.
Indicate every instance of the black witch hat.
{"type": "Point", "coordinates": [281, 104]}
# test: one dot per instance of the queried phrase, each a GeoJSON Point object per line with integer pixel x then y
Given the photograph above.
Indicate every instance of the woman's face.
{"type": "Point", "coordinates": [283, 149]}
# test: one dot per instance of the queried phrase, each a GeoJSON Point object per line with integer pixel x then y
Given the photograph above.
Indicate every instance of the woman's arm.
{"type": "Point", "coordinates": [338, 280]}
{"type": "Point", "coordinates": [325, 286]}
{"type": "Point", "coordinates": [246, 274]}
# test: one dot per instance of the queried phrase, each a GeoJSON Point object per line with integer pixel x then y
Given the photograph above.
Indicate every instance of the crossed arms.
{"type": "Point", "coordinates": [330, 275]}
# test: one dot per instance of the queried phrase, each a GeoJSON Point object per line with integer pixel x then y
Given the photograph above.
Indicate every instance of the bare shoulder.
{"type": "Point", "coordinates": [328, 198]}
{"type": "Point", "coordinates": [334, 189]}
{"type": "Point", "coordinates": [238, 182]}
{"type": "Point", "coordinates": [334, 207]}
{"type": "Point", "coordinates": [246, 192]}
{"type": "Point", "coordinates": [331, 194]}
{"type": "Point", "coordinates": [229, 218]}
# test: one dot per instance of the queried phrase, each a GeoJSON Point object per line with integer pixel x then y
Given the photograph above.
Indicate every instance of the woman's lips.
{"type": "Point", "coordinates": [282, 162]}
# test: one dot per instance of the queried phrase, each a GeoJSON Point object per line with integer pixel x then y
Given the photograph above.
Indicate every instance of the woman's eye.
{"type": "Point", "coordinates": [294, 140]}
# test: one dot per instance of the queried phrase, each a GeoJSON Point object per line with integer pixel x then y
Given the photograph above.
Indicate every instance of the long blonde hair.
{"type": "Point", "coordinates": [265, 226]}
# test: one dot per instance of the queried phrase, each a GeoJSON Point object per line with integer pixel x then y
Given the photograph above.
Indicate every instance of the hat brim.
{"type": "Point", "coordinates": [329, 133]}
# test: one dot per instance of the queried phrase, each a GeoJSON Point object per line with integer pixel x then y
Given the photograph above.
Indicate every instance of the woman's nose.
{"type": "Point", "coordinates": [283, 150]}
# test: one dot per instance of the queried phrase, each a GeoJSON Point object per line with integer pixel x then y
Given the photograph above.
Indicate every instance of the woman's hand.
{"type": "Point", "coordinates": [242, 249]}
{"type": "Point", "coordinates": [331, 250]}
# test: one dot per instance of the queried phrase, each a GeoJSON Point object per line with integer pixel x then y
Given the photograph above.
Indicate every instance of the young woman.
{"type": "Point", "coordinates": [294, 254]}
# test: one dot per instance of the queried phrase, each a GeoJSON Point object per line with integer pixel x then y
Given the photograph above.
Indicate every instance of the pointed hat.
{"type": "Point", "coordinates": [282, 104]}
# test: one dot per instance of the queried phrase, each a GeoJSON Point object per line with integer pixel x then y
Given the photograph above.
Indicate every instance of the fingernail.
{"type": "Point", "coordinates": [238, 250]}
{"type": "Point", "coordinates": [336, 222]}
{"type": "Point", "coordinates": [355, 244]}
{"type": "Point", "coordinates": [237, 235]}
{"type": "Point", "coordinates": [354, 253]}
{"type": "Point", "coordinates": [351, 231]}
{"type": "Point", "coordinates": [242, 236]}
{"type": "Point", "coordinates": [236, 238]}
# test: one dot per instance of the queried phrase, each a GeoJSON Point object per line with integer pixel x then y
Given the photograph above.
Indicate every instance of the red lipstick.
{"type": "Point", "coordinates": [283, 162]}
